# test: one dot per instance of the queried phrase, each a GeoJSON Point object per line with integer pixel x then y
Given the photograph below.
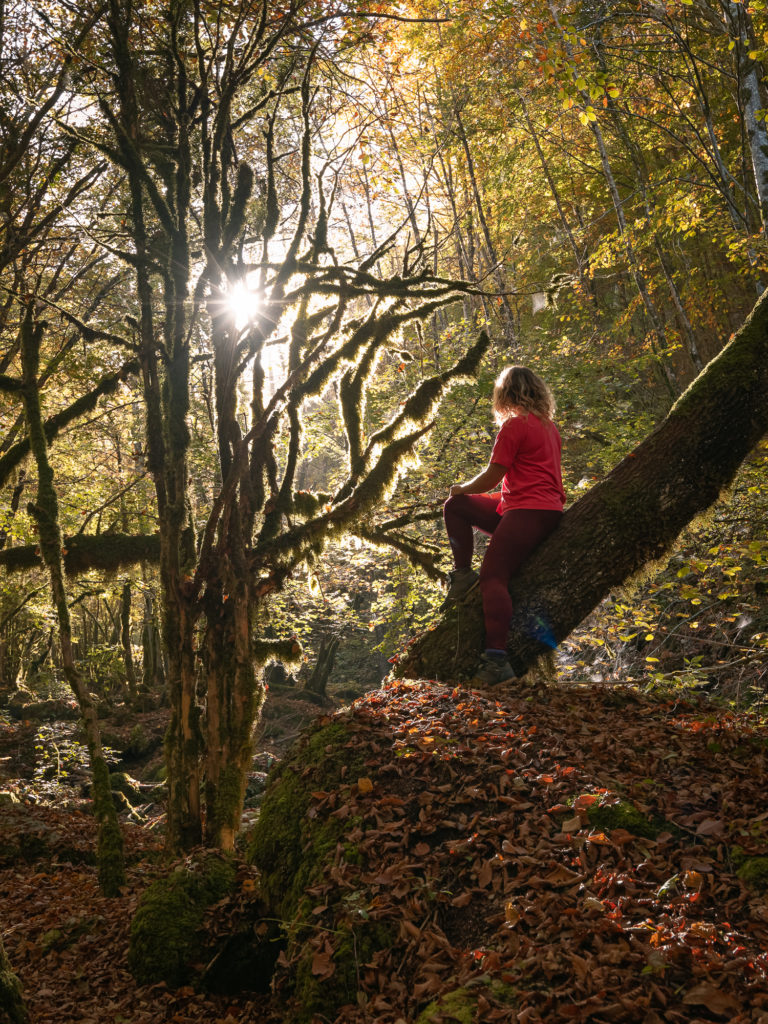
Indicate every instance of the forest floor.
{"type": "Point", "coordinates": [599, 852]}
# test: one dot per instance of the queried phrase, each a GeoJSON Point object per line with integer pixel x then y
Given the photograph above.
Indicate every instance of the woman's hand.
{"type": "Point", "coordinates": [482, 483]}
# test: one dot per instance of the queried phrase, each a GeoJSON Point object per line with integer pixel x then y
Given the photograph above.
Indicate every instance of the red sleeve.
{"type": "Point", "coordinates": [507, 443]}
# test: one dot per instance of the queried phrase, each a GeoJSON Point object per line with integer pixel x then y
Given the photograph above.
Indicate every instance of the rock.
{"type": "Point", "coordinates": [165, 940]}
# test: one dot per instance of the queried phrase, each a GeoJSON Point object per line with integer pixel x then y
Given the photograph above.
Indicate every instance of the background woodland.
{"type": "Point", "coordinates": [260, 266]}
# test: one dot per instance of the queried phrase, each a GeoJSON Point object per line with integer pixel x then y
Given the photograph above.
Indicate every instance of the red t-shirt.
{"type": "Point", "coordinates": [529, 448]}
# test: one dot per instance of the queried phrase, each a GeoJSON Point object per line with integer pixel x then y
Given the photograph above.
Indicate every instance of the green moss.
{"type": "Point", "coordinates": [165, 938]}
{"type": "Point", "coordinates": [11, 1003]}
{"type": "Point", "coordinates": [621, 814]}
{"type": "Point", "coordinates": [294, 848]}
{"type": "Point", "coordinates": [354, 946]}
{"type": "Point", "coordinates": [287, 846]}
{"type": "Point", "coordinates": [754, 872]}
{"type": "Point", "coordinates": [120, 782]}
{"type": "Point", "coordinates": [461, 1004]}
{"type": "Point", "coordinates": [69, 933]}
{"type": "Point", "coordinates": [224, 801]}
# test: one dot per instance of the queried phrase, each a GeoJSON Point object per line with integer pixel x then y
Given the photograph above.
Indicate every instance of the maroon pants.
{"type": "Point", "coordinates": [514, 535]}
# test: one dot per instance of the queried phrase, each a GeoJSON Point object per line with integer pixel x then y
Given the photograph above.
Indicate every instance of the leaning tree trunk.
{"type": "Point", "coordinates": [626, 520]}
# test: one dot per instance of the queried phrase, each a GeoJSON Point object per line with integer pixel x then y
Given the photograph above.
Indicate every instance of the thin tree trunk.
{"type": "Point", "coordinates": [462, 258]}
{"type": "Point", "coordinates": [14, 506]}
{"type": "Point", "coordinates": [326, 656]}
{"type": "Point", "coordinates": [641, 176]}
{"type": "Point", "coordinates": [749, 75]}
{"type": "Point", "coordinates": [660, 340]}
{"type": "Point", "coordinates": [125, 637]}
{"type": "Point", "coordinates": [582, 265]}
{"type": "Point", "coordinates": [46, 514]}
{"type": "Point", "coordinates": [509, 318]}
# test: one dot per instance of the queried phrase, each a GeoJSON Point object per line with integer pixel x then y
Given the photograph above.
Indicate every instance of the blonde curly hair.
{"type": "Point", "coordinates": [517, 387]}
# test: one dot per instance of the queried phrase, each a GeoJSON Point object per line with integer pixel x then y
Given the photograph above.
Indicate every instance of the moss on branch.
{"type": "Point", "coordinates": [107, 552]}
{"type": "Point", "coordinates": [52, 426]}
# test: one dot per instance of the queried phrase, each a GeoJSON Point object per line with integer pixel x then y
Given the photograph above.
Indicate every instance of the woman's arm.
{"type": "Point", "coordinates": [485, 481]}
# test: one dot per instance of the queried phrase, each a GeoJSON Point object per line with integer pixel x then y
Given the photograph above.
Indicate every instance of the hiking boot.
{"type": "Point", "coordinates": [461, 582]}
{"type": "Point", "coordinates": [494, 669]}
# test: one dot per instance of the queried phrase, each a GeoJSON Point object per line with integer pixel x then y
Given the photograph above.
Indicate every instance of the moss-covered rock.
{"type": "Point", "coordinates": [294, 849]}
{"type": "Point", "coordinates": [754, 872]}
{"type": "Point", "coordinates": [462, 1004]}
{"type": "Point", "coordinates": [165, 931]}
{"type": "Point", "coordinates": [287, 846]}
{"type": "Point", "coordinates": [355, 944]}
{"type": "Point", "coordinates": [11, 1003]}
{"type": "Point", "coordinates": [622, 814]}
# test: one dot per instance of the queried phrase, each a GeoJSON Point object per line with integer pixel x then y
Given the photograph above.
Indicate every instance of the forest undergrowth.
{"type": "Point", "coordinates": [698, 619]}
{"type": "Point", "coordinates": [555, 852]}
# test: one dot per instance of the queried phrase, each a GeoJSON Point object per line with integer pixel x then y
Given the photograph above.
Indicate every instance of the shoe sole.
{"type": "Point", "coordinates": [480, 683]}
{"type": "Point", "coordinates": [448, 601]}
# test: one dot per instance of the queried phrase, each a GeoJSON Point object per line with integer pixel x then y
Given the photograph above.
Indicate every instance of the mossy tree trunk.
{"type": "Point", "coordinates": [11, 1001]}
{"type": "Point", "coordinates": [627, 520]}
{"type": "Point", "coordinates": [45, 512]}
{"type": "Point", "coordinates": [233, 700]}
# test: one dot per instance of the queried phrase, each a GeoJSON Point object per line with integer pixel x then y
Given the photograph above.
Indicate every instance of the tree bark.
{"type": "Point", "coordinates": [628, 519]}
{"type": "Point", "coordinates": [125, 638]}
{"type": "Point", "coordinates": [11, 1003]}
{"type": "Point", "coordinates": [321, 673]}
{"type": "Point", "coordinates": [749, 74]}
{"type": "Point", "coordinates": [111, 864]}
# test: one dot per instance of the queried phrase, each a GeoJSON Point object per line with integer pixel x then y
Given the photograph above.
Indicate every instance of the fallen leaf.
{"type": "Point", "coordinates": [322, 964]}
{"type": "Point", "coordinates": [710, 827]}
{"type": "Point", "coordinates": [721, 1003]}
{"type": "Point", "coordinates": [485, 874]}
{"type": "Point", "coordinates": [511, 913]}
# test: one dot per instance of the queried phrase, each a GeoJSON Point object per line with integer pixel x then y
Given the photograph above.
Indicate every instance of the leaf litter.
{"type": "Point", "coordinates": [559, 854]}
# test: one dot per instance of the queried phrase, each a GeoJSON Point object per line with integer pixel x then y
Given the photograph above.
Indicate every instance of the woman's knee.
{"type": "Point", "coordinates": [455, 503]}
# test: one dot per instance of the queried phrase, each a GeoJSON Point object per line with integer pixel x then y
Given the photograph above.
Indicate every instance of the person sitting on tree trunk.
{"type": "Point", "coordinates": [526, 459]}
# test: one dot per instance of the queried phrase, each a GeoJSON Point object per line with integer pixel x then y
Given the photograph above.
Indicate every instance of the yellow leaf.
{"type": "Point", "coordinates": [511, 913]}
{"type": "Point", "coordinates": [364, 785]}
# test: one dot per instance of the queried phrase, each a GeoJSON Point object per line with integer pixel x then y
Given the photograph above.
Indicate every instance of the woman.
{"type": "Point", "coordinates": [526, 460]}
